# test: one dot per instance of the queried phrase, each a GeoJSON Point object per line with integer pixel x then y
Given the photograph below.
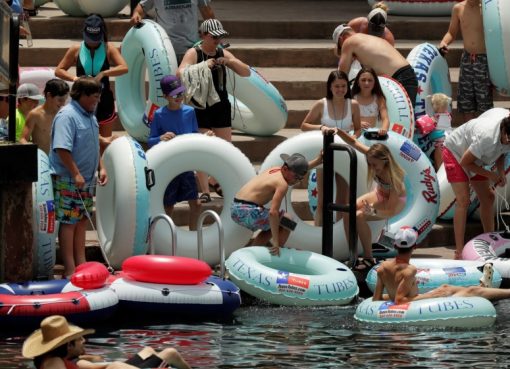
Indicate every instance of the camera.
{"type": "Point", "coordinates": [288, 223]}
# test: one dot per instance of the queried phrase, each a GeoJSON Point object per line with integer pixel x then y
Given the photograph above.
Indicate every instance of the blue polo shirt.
{"type": "Point", "coordinates": [180, 122]}
{"type": "Point", "coordinates": [76, 131]}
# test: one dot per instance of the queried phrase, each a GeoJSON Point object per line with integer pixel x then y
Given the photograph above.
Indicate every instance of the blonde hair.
{"type": "Point", "coordinates": [381, 5]}
{"type": "Point", "coordinates": [381, 152]}
{"type": "Point", "coordinates": [440, 101]}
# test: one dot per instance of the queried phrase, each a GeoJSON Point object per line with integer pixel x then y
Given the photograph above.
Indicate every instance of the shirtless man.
{"type": "Point", "coordinates": [398, 277]}
{"type": "Point", "coordinates": [475, 88]}
{"type": "Point", "coordinates": [374, 23]}
{"type": "Point", "coordinates": [374, 52]}
{"type": "Point", "coordinates": [39, 120]}
{"type": "Point", "coordinates": [248, 209]}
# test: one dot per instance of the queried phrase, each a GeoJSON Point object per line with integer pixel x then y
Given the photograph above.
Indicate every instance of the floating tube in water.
{"type": "Point", "coordinates": [123, 203]}
{"type": "Point", "coordinates": [218, 158]}
{"type": "Point", "coordinates": [464, 312]}
{"type": "Point", "coordinates": [496, 26]}
{"type": "Point", "coordinates": [432, 273]}
{"type": "Point", "coordinates": [294, 278]}
{"type": "Point", "coordinates": [491, 247]}
{"type": "Point", "coordinates": [419, 7]}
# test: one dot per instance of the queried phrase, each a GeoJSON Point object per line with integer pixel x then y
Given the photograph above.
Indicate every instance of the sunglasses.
{"type": "Point", "coordinates": [216, 37]}
{"type": "Point", "coordinates": [178, 96]}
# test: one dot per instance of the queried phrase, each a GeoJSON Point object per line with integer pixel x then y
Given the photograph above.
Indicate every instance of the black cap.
{"type": "Point", "coordinates": [93, 29]}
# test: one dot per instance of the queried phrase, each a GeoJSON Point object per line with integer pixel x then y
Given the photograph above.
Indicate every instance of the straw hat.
{"type": "Point", "coordinates": [54, 332]}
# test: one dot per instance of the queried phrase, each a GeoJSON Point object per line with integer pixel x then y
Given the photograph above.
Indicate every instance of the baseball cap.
{"type": "Point", "coordinates": [405, 237]}
{"type": "Point", "coordinates": [338, 32]}
{"type": "Point", "coordinates": [213, 27]}
{"type": "Point", "coordinates": [377, 22]}
{"type": "Point", "coordinates": [296, 163]}
{"type": "Point", "coordinates": [93, 29]}
{"type": "Point", "coordinates": [171, 85]}
{"type": "Point", "coordinates": [29, 90]}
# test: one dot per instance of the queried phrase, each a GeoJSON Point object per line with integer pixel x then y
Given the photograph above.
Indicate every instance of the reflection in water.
{"type": "Point", "coordinates": [279, 337]}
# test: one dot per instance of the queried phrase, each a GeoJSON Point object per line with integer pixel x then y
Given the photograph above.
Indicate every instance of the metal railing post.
{"type": "Point", "coordinates": [200, 239]}
{"type": "Point", "coordinates": [329, 206]}
{"type": "Point", "coordinates": [173, 230]}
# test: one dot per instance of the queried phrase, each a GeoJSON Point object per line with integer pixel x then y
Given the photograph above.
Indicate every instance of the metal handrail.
{"type": "Point", "coordinates": [200, 238]}
{"type": "Point", "coordinates": [173, 230]}
{"type": "Point", "coordinates": [329, 206]}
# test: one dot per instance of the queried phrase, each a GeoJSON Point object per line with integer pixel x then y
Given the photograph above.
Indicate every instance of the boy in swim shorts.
{"type": "Point", "coordinates": [397, 277]}
{"type": "Point", "coordinates": [247, 208]}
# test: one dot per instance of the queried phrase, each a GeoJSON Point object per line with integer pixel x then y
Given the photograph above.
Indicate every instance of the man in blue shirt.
{"type": "Point", "coordinates": [74, 158]}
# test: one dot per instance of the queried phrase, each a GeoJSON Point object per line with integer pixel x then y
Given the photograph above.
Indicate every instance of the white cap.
{"type": "Point", "coordinates": [406, 237]}
{"type": "Point", "coordinates": [338, 32]}
{"type": "Point", "coordinates": [376, 11]}
{"type": "Point", "coordinates": [30, 91]}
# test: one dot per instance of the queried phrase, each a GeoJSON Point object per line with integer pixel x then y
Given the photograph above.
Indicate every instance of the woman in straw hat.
{"type": "Point", "coordinates": [59, 345]}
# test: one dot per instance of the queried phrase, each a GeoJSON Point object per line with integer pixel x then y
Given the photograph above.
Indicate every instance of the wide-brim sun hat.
{"type": "Point", "coordinates": [55, 331]}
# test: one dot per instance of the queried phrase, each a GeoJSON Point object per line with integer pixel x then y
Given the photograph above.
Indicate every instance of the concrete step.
{"type": "Point", "coordinates": [264, 19]}
{"type": "Point", "coordinates": [295, 52]}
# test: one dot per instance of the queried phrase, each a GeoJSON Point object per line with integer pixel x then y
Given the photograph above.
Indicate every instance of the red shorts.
{"type": "Point", "coordinates": [454, 172]}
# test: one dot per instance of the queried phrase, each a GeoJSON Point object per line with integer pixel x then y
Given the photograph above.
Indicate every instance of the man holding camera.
{"type": "Point", "coordinates": [248, 209]}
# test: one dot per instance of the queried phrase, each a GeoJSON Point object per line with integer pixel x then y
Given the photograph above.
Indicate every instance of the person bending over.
{"type": "Point", "coordinates": [247, 208]}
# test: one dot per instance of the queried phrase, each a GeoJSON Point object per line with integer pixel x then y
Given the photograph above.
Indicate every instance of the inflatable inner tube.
{"type": "Point", "coordinates": [145, 46]}
{"type": "Point", "coordinates": [293, 278]}
{"type": "Point", "coordinates": [219, 159]}
{"type": "Point", "coordinates": [419, 7]}
{"type": "Point", "coordinates": [307, 236]}
{"type": "Point", "coordinates": [497, 41]}
{"type": "Point", "coordinates": [491, 247]}
{"type": "Point", "coordinates": [70, 7]}
{"type": "Point", "coordinates": [123, 203]}
{"type": "Point", "coordinates": [44, 225]}
{"type": "Point", "coordinates": [399, 106]}
{"type": "Point", "coordinates": [432, 273]}
{"type": "Point", "coordinates": [106, 9]}
{"type": "Point", "coordinates": [463, 312]}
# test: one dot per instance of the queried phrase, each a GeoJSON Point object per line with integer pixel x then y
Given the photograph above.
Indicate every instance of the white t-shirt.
{"type": "Point", "coordinates": [481, 136]}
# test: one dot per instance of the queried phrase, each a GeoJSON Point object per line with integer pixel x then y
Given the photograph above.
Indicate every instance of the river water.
{"type": "Point", "coordinates": [263, 336]}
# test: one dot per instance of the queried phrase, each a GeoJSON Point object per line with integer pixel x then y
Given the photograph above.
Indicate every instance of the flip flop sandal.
{"type": "Point", "coordinates": [205, 197]}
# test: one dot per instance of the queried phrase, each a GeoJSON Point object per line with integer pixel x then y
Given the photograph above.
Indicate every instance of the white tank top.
{"type": "Point", "coordinates": [344, 123]}
{"type": "Point", "coordinates": [370, 110]}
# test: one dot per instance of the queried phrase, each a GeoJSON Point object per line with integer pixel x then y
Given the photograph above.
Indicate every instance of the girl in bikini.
{"type": "Point", "coordinates": [333, 113]}
{"type": "Point", "coordinates": [386, 200]}
{"type": "Point", "coordinates": [372, 103]}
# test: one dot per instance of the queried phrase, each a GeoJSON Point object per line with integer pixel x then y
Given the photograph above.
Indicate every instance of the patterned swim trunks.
{"type": "Point", "coordinates": [70, 208]}
{"type": "Point", "coordinates": [475, 88]}
{"type": "Point", "coordinates": [250, 215]}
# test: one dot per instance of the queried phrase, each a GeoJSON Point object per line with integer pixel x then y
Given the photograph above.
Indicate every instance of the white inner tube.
{"type": "Point", "coordinates": [122, 204]}
{"type": "Point", "coordinates": [108, 8]}
{"type": "Point", "coordinates": [219, 159]}
{"type": "Point", "coordinates": [267, 109]}
{"type": "Point", "coordinates": [145, 45]}
{"type": "Point", "coordinates": [44, 225]}
{"type": "Point", "coordinates": [399, 106]}
{"type": "Point", "coordinates": [496, 14]}
{"type": "Point", "coordinates": [307, 236]}
{"type": "Point", "coordinates": [70, 7]}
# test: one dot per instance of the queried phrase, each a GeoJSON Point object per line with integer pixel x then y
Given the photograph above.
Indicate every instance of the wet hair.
{"type": "Point", "coordinates": [376, 90]}
{"type": "Point", "coordinates": [85, 86]}
{"type": "Point", "coordinates": [381, 152]}
{"type": "Point", "coordinates": [56, 87]}
{"type": "Point", "coordinates": [440, 101]}
{"type": "Point", "coordinates": [333, 76]}
{"type": "Point", "coordinates": [505, 125]}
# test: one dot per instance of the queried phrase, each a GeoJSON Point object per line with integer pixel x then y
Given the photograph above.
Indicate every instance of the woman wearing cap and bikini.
{"type": "Point", "coordinates": [215, 117]}
{"type": "Point", "coordinates": [98, 58]}
{"type": "Point", "coordinates": [333, 113]}
{"type": "Point", "coordinates": [60, 345]}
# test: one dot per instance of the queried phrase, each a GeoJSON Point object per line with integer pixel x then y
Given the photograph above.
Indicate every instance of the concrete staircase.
{"type": "Point", "coordinates": [288, 42]}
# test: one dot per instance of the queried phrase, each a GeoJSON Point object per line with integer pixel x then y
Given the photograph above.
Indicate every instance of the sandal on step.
{"type": "Point", "coordinates": [216, 188]}
{"type": "Point", "coordinates": [365, 264]}
{"type": "Point", "coordinates": [205, 197]}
